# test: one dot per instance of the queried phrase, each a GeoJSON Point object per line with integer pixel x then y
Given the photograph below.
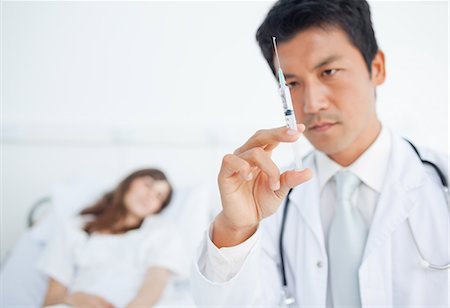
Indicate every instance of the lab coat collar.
{"type": "Point", "coordinates": [326, 168]}
{"type": "Point", "coordinates": [370, 167]}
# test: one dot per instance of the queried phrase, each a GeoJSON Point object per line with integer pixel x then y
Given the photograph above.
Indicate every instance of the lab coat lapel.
{"type": "Point", "coordinates": [404, 182]}
{"type": "Point", "coordinates": [404, 176]}
{"type": "Point", "coordinates": [306, 198]}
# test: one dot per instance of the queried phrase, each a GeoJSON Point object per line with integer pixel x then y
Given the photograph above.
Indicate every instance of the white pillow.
{"type": "Point", "coordinates": [68, 198]}
{"type": "Point", "coordinates": [193, 209]}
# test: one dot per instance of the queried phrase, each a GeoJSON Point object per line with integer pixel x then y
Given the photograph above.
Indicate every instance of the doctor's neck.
{"type": "Point", "coordinates": [363, 141]}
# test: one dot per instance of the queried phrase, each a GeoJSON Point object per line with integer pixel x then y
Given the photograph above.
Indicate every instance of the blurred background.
{"type": "Point", "coordinates": [103, 88]}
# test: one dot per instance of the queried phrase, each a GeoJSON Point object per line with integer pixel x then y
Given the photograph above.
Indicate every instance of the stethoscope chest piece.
{"type": "Point", "coordinates": [286, 299]}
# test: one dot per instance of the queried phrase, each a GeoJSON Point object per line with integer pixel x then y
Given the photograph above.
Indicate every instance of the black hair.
{"type": "Point", "coordinates": [289, 17]}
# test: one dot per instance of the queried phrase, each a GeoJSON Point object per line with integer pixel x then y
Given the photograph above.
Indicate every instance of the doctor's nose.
{"type": "Point", "coordinates": [314, 99]}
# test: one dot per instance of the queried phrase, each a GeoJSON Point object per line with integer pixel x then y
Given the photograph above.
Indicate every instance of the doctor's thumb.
{"type": "Point", "coordinates": [291, 179]}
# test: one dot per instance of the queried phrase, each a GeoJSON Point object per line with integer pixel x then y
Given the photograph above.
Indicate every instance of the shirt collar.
{"type": "Point", "coordinates": [370, 167]}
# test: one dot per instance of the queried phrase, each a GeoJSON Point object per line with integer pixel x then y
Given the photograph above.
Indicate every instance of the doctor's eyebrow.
{"type": "Point", "coordinates": [324, 62]}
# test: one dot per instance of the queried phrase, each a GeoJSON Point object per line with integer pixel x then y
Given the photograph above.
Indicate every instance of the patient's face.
{"type": "Point", "coordinates": [145, 196]}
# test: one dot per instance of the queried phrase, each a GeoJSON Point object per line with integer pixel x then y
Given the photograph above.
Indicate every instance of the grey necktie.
{"type": "Point", "coordinates": [348, 233]}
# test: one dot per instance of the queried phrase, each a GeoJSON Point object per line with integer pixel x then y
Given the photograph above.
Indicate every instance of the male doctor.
{"type": "Point", "coordinates": [364, 209]}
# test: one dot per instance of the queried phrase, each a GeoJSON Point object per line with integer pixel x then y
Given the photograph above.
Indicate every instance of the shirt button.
{"type": "Point", "coordinates": [319, 264]}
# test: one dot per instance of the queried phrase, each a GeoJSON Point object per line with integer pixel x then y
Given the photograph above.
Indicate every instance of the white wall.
{"type": "Point", "coordinates": [106, 87]}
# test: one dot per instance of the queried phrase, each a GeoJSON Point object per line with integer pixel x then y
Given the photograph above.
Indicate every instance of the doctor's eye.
{"type": "Point", "coordinates": [329, 72]}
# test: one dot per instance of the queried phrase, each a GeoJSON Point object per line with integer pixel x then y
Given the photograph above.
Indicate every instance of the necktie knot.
{"type": "Point", "coordinates": [346, 184]}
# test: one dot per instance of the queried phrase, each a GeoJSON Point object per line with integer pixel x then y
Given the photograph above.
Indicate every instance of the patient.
{"type": "Point", "coordinates": [118, 252]}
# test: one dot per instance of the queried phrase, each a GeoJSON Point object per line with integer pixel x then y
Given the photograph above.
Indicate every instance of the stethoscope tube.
{"type": "Point", "coordinates": [286, 298]}
{"type": "Point", "coordinates": [289, 299]}
{"type": "Point", "coordinates": [425, 263]}
{"type": "Point", "coordinates": [283, 223]}
{"type": "Point", "coordinates": [429, 163]}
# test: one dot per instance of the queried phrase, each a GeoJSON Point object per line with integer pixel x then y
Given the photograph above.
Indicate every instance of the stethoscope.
{"type": "Point", "coordinates": [287, 299]}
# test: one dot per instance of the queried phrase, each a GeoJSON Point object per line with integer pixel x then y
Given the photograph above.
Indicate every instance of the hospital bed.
{"type": "Point", "coordinates": [23, 285]}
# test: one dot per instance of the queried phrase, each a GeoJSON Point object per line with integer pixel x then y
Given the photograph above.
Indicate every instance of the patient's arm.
{"type": "Point", "coordinates": [83, 300]}
{"type": "Point", "coordinates": [152, 287]}
{"type": "Point", "coordinates": [56, 293]}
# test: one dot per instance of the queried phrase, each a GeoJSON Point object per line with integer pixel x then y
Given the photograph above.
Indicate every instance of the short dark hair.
{"type": "Point", "coordinates": [289, 17]}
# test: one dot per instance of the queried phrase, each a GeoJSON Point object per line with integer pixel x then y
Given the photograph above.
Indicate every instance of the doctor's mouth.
{"type": "Point", "coordinates": [321, 127]}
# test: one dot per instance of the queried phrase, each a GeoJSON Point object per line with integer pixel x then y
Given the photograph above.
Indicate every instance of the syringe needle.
{"type": "Point", "coordinates": [276, 50]}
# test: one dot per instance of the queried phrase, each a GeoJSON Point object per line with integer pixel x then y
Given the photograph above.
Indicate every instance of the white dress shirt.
{"type": "Point", "coordinates": [220, 265]}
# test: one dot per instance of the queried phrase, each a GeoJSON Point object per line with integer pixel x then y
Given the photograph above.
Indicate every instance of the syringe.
{"type": "Point", "coordinates": [289, 115]}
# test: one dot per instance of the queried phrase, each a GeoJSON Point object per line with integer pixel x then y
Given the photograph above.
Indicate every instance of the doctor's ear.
{"type": "Point", "coordinates": [378, 69]}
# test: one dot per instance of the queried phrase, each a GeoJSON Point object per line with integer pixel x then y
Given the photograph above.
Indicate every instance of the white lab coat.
{"type": "Point", "coordinates": [390, 273]}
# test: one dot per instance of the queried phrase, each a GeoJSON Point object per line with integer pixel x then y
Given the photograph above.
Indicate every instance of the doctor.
{"type": "Point", "coordinates": [359, 211]}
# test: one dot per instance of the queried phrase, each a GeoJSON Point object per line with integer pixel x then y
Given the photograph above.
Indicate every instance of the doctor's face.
{"type": "Point", "coordinates": [332, 91]}
{"type": "Point", "coordinates": [145, 196]}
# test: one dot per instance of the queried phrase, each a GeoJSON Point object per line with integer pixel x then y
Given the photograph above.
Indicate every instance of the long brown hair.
{"type": "Point", "coordinates": [110, 210]}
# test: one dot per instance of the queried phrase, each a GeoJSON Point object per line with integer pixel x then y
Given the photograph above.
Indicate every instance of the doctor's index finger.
{"type": "Point", "coordinates": [232, 164]}
{"type": "Point", "coordinates": [268, 139]}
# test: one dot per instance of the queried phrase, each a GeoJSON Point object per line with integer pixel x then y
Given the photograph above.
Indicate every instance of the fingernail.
{"type": "Point", "coordinates": [301, 127]}
{"type": "Point", "coordinates": [291, 132]}
{"type": "Point", "coordinates": [276, 186]}
{"type": "Point", "coordinates": [249, 176]}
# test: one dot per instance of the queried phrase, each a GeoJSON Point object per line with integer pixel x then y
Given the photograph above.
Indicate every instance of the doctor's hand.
{"type": "Point", "coordinates": [251, 186]}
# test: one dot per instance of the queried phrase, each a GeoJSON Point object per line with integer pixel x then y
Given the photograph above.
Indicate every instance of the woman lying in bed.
{"type": "Point", "coordinates": [118, 252]}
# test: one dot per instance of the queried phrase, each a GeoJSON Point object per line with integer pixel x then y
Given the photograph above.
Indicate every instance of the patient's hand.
{"type": "Point", "coordinates": [85, 300]}
{"type": "Point", "coordinates": [152, 287]}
